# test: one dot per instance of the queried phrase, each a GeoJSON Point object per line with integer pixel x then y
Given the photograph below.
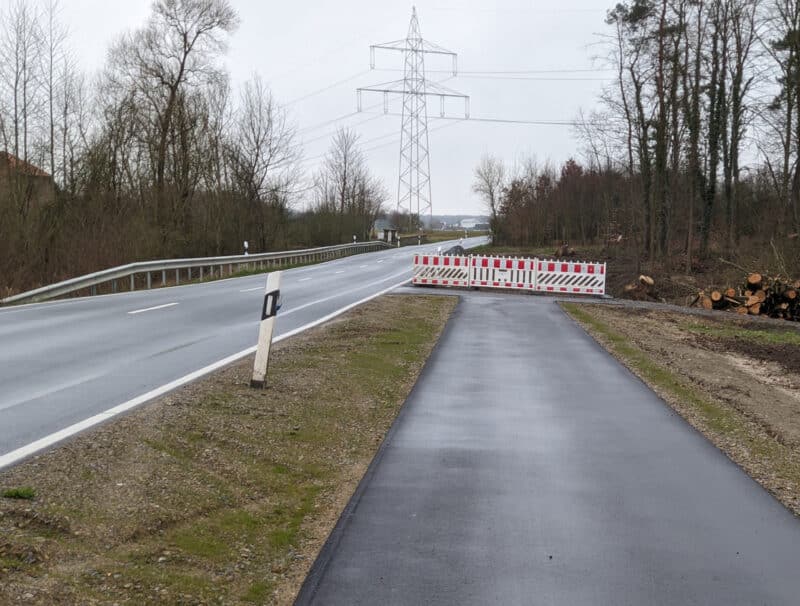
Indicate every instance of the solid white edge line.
{"type": "Point", "coordinates": [29, 449]}
{"type": "Point", "coordinates": [141, 311]}
{"type": "Point", "coordinates": [341, 294]}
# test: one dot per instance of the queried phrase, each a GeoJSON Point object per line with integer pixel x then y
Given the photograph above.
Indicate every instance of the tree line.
{"type": "Point", "coordinates": [694, 146]}
{"type": "Point", "coordinates": [157, 155]}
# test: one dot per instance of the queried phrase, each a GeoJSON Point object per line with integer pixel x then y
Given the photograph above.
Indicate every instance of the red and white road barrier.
{"type": "Point", "coordinates": [573, 277]}
{"type": "Point", "coordinates": [435, 270]}
{"type": "Point", "coordinates": [496, 272]}
{"type": "Point", "coordinates": [534, 275]}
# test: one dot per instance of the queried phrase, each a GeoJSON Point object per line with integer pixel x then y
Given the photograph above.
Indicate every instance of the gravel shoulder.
{"type": "Point", "coordinates": [734, 380]}
{"type": "Point", "coordinates": [217, 493]}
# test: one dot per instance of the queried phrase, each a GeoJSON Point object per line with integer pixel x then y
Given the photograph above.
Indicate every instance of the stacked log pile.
{"type": "Point", "coordinates": [758, 296]}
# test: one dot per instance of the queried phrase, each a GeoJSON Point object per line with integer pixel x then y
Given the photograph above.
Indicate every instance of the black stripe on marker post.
{"type": "Point", "coordinates": [270, 308]}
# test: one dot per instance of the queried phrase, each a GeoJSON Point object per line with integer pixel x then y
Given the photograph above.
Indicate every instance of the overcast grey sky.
{"type": "Point", "coordinates": [302, 47]}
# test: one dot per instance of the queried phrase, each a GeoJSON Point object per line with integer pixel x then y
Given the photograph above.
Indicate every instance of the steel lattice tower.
{"type": "Point", "coordinates": [414, 188]}
{"type": "Point", "coordinates": [414, 184]}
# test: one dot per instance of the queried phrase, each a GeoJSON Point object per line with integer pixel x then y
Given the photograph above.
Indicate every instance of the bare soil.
{"type": "Point", "coordinates": [736, 381]}
{"type": "Point", "coordinates": [217, 493]}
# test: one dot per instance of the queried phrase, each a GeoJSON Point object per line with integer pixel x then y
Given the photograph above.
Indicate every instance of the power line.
{"type": "Point", "coordinates": [508, 71]}
{"type": "Point", "coordinates": [499, 120]}
{"type": "Point", "coordinates": [433, 130]}
{"type": "Point", "coordinates": [326, 88]}
{"type": "Point", "coordinates": [367, 142]}
{"type": "Point", "coordinates": [537, 9]}
{"type": "Point", "coordinates": [394, 135]}
{"type": "Point", "coordinates": [511, 75]}
{"type": "Point", "coordinates": [327, 135]}
{"type": "Point", "coordinates": [327, 122]}
{"type": "Point", "coordinates": [537, 78]}
{"type": "Point", "coordinates": [349, 115]}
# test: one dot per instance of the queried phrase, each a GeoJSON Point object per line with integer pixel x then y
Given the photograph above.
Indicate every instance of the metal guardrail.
{"type": "Point", "coordinates": [148, 268]}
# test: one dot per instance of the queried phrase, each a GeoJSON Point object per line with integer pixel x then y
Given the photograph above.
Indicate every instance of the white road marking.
{"type": "Point", "coordinates": [342, 294]}
{"type": "Point", "coordinates": [362, 266]}
{"type": "Point", "coordinates": [380, 260]}
{"type": "Point", "coordinates": [252, 289]}
{"type": "Point", "coordinates": [339, 272]}
{"type": "Point", "coordinates": [29, 449]}
{"type": "Point", "coordinates": [304, 279]}
{"type": "Point", "coordinates": [141, 311]}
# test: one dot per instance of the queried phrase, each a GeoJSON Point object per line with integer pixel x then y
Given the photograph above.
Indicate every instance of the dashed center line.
{"type": "Point", "coordinates": [340, 272]}
{"type": "Point", "coordinates": [141, 311]}
{"type": "Point", "coordinates": [252, 289]}
{"type": "Point", "coordinates": [362, 266]}
{"type": "Point", "coordinates": [304, 279]}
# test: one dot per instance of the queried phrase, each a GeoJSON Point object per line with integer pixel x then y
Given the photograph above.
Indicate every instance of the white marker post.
{"type": "Point", "coordinates": [272, 295]}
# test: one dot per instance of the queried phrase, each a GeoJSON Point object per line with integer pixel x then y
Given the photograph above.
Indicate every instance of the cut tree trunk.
{"type": "Point", "coordinates": [754, 281]}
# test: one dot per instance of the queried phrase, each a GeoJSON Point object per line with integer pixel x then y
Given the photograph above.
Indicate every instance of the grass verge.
{"type": "Point", "coordinates": [771, 337]}
{"type": "Point", "coordinates": [753, 445]}
{"type": "Point", "coordinates": [217, 493]}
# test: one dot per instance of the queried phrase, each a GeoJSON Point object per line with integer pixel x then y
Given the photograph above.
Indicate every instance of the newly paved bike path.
{"type": "Point", "coordinates": [529, 467]}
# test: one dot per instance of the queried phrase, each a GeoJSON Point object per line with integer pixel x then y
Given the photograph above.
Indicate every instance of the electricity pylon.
{"type": "Point", "coordinates": [414, 185]}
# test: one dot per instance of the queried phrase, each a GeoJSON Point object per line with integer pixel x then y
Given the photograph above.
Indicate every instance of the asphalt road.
{"type": "Point", "coordinates": [528, 467]}
{"type": "Point", "coordinates": [66, 361]}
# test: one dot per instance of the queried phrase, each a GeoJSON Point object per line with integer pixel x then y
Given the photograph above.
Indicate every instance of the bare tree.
{"type": "Point", "coordinates": [490, 177]}
{"type": "Point", "coordinates": [54, 59]}
{"type": "Point", "coordinates": [262, 150]}
{"type": "Point", "coordinates": [346, 191]}
{"type": "Point", "coordinates": [20, 49]}
{"type": "Point", "coordinates": [174, 51]}
{"type": "Point", "coordinates": [741, 72]}
{"type": "Point", "coordinates": [263, 158]}
{"type": "Point", "coordinates": [782, 116]}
